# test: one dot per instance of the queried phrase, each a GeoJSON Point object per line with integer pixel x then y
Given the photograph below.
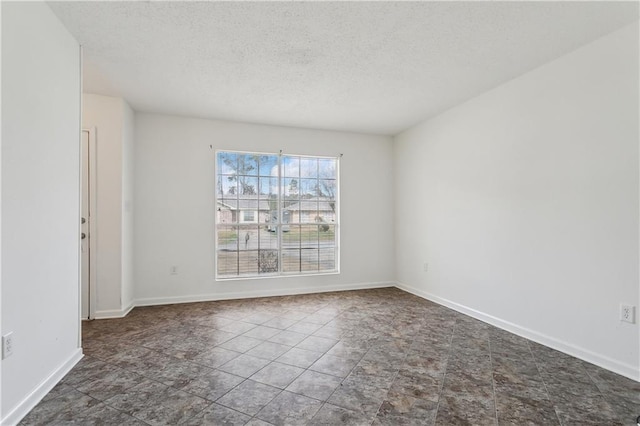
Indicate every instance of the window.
{"type": "Point", "coordinates": [249, 216]}
{"type": "Point", "coordinates": [275, 215]}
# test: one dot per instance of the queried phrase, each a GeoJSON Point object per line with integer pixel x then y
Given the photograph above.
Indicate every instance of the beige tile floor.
{"type": "Point", "coordinates": [381, 357]}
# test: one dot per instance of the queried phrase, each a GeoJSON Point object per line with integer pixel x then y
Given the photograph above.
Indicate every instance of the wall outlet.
{"type": "Point", "coordinates": [7, 345]}
{"type": "Point", "coordinates": [425, 266]}
{"type": "Point", "coordinates": [628, 313]}
{"type": "Point", "coordinates": [173, 270]}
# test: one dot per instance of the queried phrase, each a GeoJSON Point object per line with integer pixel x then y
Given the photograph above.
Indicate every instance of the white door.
{"type": "Point", "coordinates": [84, 228]}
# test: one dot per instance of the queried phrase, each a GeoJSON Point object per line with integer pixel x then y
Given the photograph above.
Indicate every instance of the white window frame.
{"type": "Point", "coordinates": [279, 224]}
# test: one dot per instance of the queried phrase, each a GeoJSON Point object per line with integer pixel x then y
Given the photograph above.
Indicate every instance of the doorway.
{"type": "Point", "coordinates": [87, 223]}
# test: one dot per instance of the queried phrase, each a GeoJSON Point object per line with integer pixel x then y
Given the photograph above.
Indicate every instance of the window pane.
{"type": "Point", "coordinates": [268, 186]}
{"type": "Point", "coordinates": [308, 210]}
{"type": "Point", "coordinates": [308, 167]}
{"type": "Point", "coordinates": [268, 165]}
{"type": "Point", "coordinates": [327, 259]}
{"type": "Point", "coordinates": [290, 260]}
{"type": "Point", "coordinates": [327, 168]}
{"type": "Point", "coordinates": [290, 166]}
{"type": "Point", "coordinates": [308, 188]}
{"type": "Point", "coordinates": [227, 250]}
{"type": "Point", "coordinates": [247, 164]}
{"type": "Point", "coordinates": [326, 188]}
{"type": "Point", "coordinates": [291, 213]}
{"type": "Point", "coordinates": [291, 188]}
{"type": "Point", "coordinates": [227, 263]}
{"type": "Point", "coordinates": [267, 251]}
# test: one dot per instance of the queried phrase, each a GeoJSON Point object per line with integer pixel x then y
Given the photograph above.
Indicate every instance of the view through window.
{"type": "Point", "coordinates": [275, 214]}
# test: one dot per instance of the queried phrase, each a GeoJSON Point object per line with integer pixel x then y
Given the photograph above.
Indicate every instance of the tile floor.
{"type": "Point", "coordinates": [381, 357]}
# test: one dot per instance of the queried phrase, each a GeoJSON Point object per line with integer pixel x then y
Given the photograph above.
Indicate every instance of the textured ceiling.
{"type": "Point", "coordinates": [372, 67]}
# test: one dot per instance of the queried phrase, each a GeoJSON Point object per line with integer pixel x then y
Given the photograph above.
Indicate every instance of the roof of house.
{"type": "Point", "coordinates": [312, 204]}
{"type": "Point", "coordinates": [244, 202]}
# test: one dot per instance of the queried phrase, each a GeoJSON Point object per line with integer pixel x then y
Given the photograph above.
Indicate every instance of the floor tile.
{"type": "Point", "coordinates": [240, 344]}
{"type": "Point", "coordinates": [286, 337]}
{"type": "Point", "coordinates": [268, 350]}
{"type": "Point", "coordinates": [513, 409]}
{"type": "Point", "coordinates": [350, 350]}
{"type": "Point", "coordinates": [318, 344]}
{"type": "Point", "coordinates": [299, 357]}
{"type": "Point", "coordinates": [294, 315]}
{"type": "Point", "coordinates": [171, 407]}
{"type": "Point", "coordinates": [105, 386]}
{"type": "Point", "coordinates": [258, 422]}
{"type": "Point", "coordinates": [315, 385]}
{"type": "Point", "coordinates": [215, 357]}
{"type": "Point", "coordinates": [218, 415]}
{"type": "Point", "coordinates": [244, 365]}
{"type": "Point", "coordinates": [304, 327]}
{"type": "Point", "coordinates": [362, 397]}
{"type": "Point", "coordinates": [465, 408]}
{"type": "Point", "coordinates": [259, 318]}
{"type": "Point", "coordinates": [212, 384]}
{"type": "Point", "coordinates": [289, 409]}
{"type": "Point", "coordinates": [423, 387]}
{"type": "Point", "coordinates": [237, 327]}
{"type": "Point", "coordinates": [70, 404]}
{"type": "Point", "coordinates": [96, 415]}
{"type": "Point", "coordinates": [277, 375]}
{"type": "Point", "coordinates": [333, 415]}
{"type": "Point", "coordinates": [333, 365]}
{"type": "Point", "coordinates": [249, 397]}
{"type": "Point", "coordinates": [137, 397]}
{"type": "Point", "coordinates": [280, 323]}
{"type": "Point", "coordinates": [262, 333]}
{"type": "Point", "coordinates": [399, 409]}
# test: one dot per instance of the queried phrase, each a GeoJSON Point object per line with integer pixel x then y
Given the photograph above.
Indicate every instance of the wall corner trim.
{"type": "Point", "coordinates": [114, 313]}
{"type": "Point", "coordinates": [605, 362]}
{"type": "Point", "coordinates": [36, 395]}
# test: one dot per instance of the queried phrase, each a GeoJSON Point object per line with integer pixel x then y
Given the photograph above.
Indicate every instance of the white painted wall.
{"type": "Point", "coordinates": [524, 203]}
{"type": "Point", "coordinates": [106, 114]}
{"type": "Point", "coordinates": [128, 135]}
{"type": "Point", "coordinates": [174, 210]}
{"type": "Point", "coordinates": [40, 203]}
{"type": "Point", "coordinates": [113, 119]}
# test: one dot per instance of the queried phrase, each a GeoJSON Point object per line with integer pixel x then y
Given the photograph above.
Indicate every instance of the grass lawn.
{"type": "Point", "coordinates": [308, 233]}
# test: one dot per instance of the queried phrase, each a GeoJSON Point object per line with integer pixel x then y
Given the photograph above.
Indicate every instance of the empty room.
{"type": "Point", "coordinates": [320, 213]}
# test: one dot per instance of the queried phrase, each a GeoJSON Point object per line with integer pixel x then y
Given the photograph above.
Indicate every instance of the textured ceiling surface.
{"type": "Point", "coordinates": [372, 67]}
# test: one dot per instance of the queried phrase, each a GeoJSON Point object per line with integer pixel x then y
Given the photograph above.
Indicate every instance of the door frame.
{"type": "Point", "coordinates": [93, 207]}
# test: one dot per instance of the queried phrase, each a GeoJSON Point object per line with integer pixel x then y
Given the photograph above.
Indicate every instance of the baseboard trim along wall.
{"type": "Point", "coordinates": [41, 390]}
{"type": "Point", "coordinates": [586, 355]}
{"type": "Point", "coordinates": [152, 301]}
{"type": "Point", "coordinates": [114, 313]}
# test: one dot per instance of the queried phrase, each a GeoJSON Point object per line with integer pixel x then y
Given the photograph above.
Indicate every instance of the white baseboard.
{"type": "Point", "coordinates": [27, 404]}
{"type": "Point", "coordinates": [114, 313]}
{"type": "Point", "coordinates": [605, 362]}
{"type": "Point", "coordinates": [152, 301]}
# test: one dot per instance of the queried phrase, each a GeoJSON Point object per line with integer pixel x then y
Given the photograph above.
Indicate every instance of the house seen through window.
{"type": "Point", "coordinates": [275, 214]}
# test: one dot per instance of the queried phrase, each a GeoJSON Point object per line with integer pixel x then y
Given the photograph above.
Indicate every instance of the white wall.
{"type": "Point", "coordinates": [40, 203]}
{"type": "Point", "coordinates": [524, 203]}
{"type": "Point", "coordinates": [128, 135]}
{"type": "Point", "coordinates": [113, 120]}
{"type": "Point", "coordinates": [174, 213]}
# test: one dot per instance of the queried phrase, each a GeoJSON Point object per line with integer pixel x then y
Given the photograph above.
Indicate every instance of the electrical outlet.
{"type": "Point", "coordinates": [7, 345]}
{"type": "Point", "coordinates": [425, 266]}
{"type": "Point", "coordinates": [627, 313]}
{"type": "Point", "coordinates": [173, 270]}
